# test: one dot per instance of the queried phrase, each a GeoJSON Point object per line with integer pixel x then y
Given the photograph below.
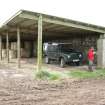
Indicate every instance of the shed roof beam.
{"type": "Point", "coordinates": [23, 29]}
{"type": "Point", "coordinates": [50, 27]}
{"type": "Point", "coordinates": [63, 22]}
{"type": "Point", "coordinates": [66, 23]}
{"type": "Point", "coordinates": [28, 16]}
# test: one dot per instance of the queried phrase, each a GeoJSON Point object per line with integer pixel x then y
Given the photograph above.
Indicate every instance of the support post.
{"type": "Point", "coordinates": [101, 52]}
{"type": "Point", "coordinates": [7, 46]}
{"type": "Point", "coordinates": [0, 47]}
{"type": "Point", "coordinates": [39, 50]}
{"type": "Point", "coordinates": [18, 47]}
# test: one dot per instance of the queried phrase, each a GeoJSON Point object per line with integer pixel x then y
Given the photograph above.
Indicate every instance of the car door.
{"type": "Point", "coordinates": [51, 52]}
{"type": "Point", "coordinates": [54, 52]}
{"type": "Point", "coordinates": [56, 55]}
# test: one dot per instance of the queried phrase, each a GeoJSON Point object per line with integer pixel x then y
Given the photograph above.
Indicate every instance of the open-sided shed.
{"type": "Point", "coordinates": [26, 25]}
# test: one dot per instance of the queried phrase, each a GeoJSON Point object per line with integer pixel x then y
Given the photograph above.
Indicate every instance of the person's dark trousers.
{"type": "Point", "coordinates": [90, 66]}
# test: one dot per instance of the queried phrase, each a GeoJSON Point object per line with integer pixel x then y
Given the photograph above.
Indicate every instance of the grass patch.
{"type": "Point", "coordinates": [50, 75]}
{"type": "Point", "coordinates": [58, 75]}
{"type": "Point", "coordinates": [42, 74]}
{"type": "Point", "coordinates": [86, 74]}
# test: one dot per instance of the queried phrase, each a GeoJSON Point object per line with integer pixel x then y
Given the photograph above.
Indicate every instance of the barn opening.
{"type": "Point", "coordinates": [19, 36]}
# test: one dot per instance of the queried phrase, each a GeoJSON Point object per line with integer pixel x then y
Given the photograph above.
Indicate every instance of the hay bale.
{"type": "Point", "coordinates": [13, 45]}
{"type": "Point", "coordinates": [22, 52]}
{"type": "Point", "coordinates": [25, 53]}
{"type": "Point", "coordinates": [12, 54]}
{"type": "Point", "coordinates": [4, 53]}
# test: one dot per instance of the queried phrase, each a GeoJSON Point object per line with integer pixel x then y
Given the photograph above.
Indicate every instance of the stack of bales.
{"type": "Point", "coordinates": [26, 51]}
{"type": "Point", "coordinates": [4, 51]}
{"type": "Point", "coordinates": [13, 50]}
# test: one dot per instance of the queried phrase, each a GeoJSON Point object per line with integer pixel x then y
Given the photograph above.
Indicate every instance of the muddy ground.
{"type": "Point", "coordinates": [18, 87]}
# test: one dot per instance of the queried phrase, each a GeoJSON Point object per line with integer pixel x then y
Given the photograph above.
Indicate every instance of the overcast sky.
{"type": "Point", "coordinates": [89, 11]}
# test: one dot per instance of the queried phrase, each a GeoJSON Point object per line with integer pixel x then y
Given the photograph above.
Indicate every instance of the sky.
{"type": "Point", "coordinates": [88, 11]}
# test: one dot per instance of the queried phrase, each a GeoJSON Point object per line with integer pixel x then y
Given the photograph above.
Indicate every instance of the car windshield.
{"type": "Point", "coordinates": [66, 48]}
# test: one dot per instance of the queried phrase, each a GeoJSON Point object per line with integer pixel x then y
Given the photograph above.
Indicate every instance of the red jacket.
{"type": "Point", "coordinates": [90, 55]}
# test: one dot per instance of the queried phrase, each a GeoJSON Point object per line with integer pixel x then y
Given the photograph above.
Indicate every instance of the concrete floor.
{"type": "Point", "coordinates": [30, 64]}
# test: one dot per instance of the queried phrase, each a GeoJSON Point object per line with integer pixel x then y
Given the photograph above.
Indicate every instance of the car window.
{"type": "Point", "coordinates": [65, 48]}
{"type": "Point", "coordinates": [52, 47]}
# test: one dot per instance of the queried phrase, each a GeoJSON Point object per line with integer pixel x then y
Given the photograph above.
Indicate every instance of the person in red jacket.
{"type": "Point", "coordinates": [91, 58]}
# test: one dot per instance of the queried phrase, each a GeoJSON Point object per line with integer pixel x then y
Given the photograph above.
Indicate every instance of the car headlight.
{"type": "Point", "coordinates": [68, 56]}
{"type": "Point", "coordinates": [80, 55]}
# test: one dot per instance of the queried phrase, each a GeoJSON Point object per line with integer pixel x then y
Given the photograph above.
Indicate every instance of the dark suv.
{"type": "Point", "coordinates": [62, 53]}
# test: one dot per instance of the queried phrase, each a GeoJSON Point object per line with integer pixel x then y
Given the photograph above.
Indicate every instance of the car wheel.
{"type": "Point", "coordinates": [62, 62]}
{"type": "Point", "coordinates": [47, 60]}
{"type": "Point", "coordinates": [77, 63]}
